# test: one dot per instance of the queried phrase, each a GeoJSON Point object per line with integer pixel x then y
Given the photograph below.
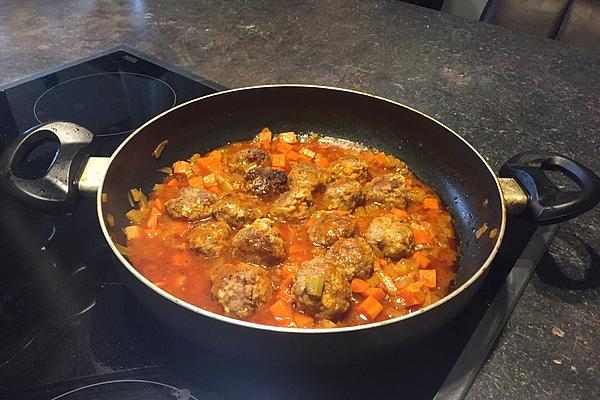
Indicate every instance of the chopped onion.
{"type": "Point", "coordinates": [159, 149]}
{"type": "Point", "coordinates": [122, 249]}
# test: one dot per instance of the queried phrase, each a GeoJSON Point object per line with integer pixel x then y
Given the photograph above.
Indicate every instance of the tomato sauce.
{"type": "Point", "coordinates": [157, 244]}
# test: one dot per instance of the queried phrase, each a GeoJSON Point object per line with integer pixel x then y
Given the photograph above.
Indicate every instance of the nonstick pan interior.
{"type": "Point", "coordinates": [439, 157]}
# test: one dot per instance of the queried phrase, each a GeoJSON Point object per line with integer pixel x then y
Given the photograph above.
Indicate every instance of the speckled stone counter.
{"type": "Point", "coordinates": [504, 92]}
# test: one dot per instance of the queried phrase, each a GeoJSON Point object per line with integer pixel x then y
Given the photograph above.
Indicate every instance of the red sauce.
{"type": "Point", "coordinates": [158, 244]}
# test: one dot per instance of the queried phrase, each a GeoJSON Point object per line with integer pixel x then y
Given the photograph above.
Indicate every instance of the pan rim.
{"type": "Point", "coordinates": [277, 329]}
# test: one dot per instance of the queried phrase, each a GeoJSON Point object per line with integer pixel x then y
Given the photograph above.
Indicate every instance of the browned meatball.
{"type": "Point", "coordinates": [388, 189]}
{"type": "Point", "coordinates": [391, 237]}
{"type": "Point", "coordinates": [240, 289]}
{"type": "Point", "coordinates": [349, 168]}
{"type": "Point", "coordinates": [191, 204]}
{"type": "Point", "coordinates": [209, 239]}
{"type": "Point", "coordinates": [237, 209]}
{"type": "Point", "coordinates": [244, 160]}
{"type": "Point", "coordinates": [306, 176]}
{"type": "Point", "coordinates": [259, 243]}
{"type": "Point", "coordinates": [266, 182]}
{"type": "Point", "coordinates": [353, 256]}
{"type": "Point", "coordinates": [292, 206]}
{"type": "Point", "coordinates": [329, 227]}
{"type": "Point", "coordinates": [343, 194]}
{"type": "Point", "coordinates": [321, 289]}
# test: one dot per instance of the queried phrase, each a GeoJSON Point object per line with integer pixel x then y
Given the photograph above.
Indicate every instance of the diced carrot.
{"type": "Point", "coordinates": [216, 190]}
{"type": "Point", "coordinates": [428, 277]}
{"type": "Point", "coordinates": [359, 286]}
{"type": "Point", "coordinates": [321, 161]}
{"type": "Point", "coordinates": [370, 308]}
{"type": "Point", "coordinates": [158, 203]}
{"type": "Point", "coordinates": [210, 180]}
{"type": "Point", "coordinates": [341, 213]}
{"type": "Point", "coordinates": [409, 298]}
{"type": "Point", "coordinates": [431, 203]}
{"type": "Point", "coordinates": [293, 155]}
{"type": "Point", "coordinates": [153, 218]}
{"type": "Point", "coordinates": [421, 236]}
{"type": "Point", "coordinates": [409, 182]}
{"type": "Point", "coordinates": [281, 310]}
{"type": "Point", "coordinates": [303, 320]}
{"type": "Point", "coordinates": [180, 227]}
{"type": "Point", "coordinates": [285, 296]}
{"type": "Point", "coordinates": [379, 157]}
{"type": "Point", "coordinates": [304, 158]}
{"type": "Point", "coordinates": [297, 247]}
{"type": "Point", "coordinates": [367, 156]}
{"type": "Point", "coordinates": [152, 222]}
{"type": "Point", "coordinates": [182, 167]}
{"type": "Point", "coordinates": [287, 281]}
{"type": "Point", "coordinates": [423, 260]}
{"type": "Point", "coordinates": [215, 155]}
{"type": "Point", "coordinates": [133, 232]}
{"type": "Point", "coordinates": [375, 292]}
{"type": "Point", "coordinates": [398, 212]}
{"type": "Point", "coordinates": [172, 182]}
{"type": "Point", "coordinates": [196, 181]}
{"type": "Point", "coordinates": [211, 164]}
{"type": "Point", "coordinates": [283, 147]}
{"type": "Point", "coordinates": [278, 160]}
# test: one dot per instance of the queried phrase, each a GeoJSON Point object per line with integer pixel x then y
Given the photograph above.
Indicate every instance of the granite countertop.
{"type": "Point", "coordinates": [504, 92]}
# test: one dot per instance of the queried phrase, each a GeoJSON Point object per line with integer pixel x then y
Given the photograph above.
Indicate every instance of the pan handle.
{"type": "Point", "coordinates": [56, 190]}
{"type": "Point", "coordinates": [547, 203]}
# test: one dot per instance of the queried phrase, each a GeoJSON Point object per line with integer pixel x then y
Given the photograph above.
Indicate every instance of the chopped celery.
{"type": "Point", "coordinates": [314, 285]}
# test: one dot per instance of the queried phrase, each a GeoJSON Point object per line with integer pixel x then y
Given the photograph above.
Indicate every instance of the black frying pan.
{"type": "Point", "coordinates": [436, 154]}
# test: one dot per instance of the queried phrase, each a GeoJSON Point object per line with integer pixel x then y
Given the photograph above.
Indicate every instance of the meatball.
{"type": "Point", "coordinates": [240, 289]}
{"type": "Point", "coordinates": [266, 182]}
{"type": "Point", "coordinates": [306, 176]}
{"type": "Point", "coordinates": [237, 209]}
{"type": "Point", "coordinates": [329, 227]}
{"type": "Point", "coordinates": [353, 256]}
{"type": "Point", "coordinates": [349, 168]}
{"type": "Point", "coordinates": [343, 194]}
{"type": "Point", "coordinates": [388, 189]}
{"type": "Point", "coordinates": [321, 289]}
{"type": "Point", "coordinates": [244, 160]}
{"type": "Point", "coordinates": [259, 243]}
{"type": "Point", "coordinates": [209, 239]}
{"type": "Point", "coordinates": [292, 206]}
{"type": "Point", "coordinates": [191, 204]}
{"type": "Point", "coordinates": [391, 237]}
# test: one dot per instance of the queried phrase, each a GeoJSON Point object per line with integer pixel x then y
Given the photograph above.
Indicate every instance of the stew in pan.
{"type": "Point", "coordinates": [294, 230]}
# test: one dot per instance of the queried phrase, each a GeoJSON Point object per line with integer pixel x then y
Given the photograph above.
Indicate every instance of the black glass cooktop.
{"type": "Point", "coordinates": [69, 329]}
{"type": "Point", "coordinates": [110, 93]}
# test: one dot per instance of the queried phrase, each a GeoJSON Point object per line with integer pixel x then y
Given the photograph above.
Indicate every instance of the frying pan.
{"type": "Point", "coordinates": [473, 194]}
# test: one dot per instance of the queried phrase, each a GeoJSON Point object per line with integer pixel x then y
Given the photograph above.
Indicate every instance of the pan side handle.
{"type": "Point", "coordinates": [546, 203]}
{"type": "Point", "coordinates": [57, 189]}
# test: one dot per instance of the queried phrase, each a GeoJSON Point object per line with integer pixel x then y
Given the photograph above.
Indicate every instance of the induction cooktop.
{"type": "Point", "coordinates": [69, 328]}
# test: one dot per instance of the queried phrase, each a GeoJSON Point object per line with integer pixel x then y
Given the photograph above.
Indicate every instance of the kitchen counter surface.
{"type": "Point", "coordinates": [504, 92]}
